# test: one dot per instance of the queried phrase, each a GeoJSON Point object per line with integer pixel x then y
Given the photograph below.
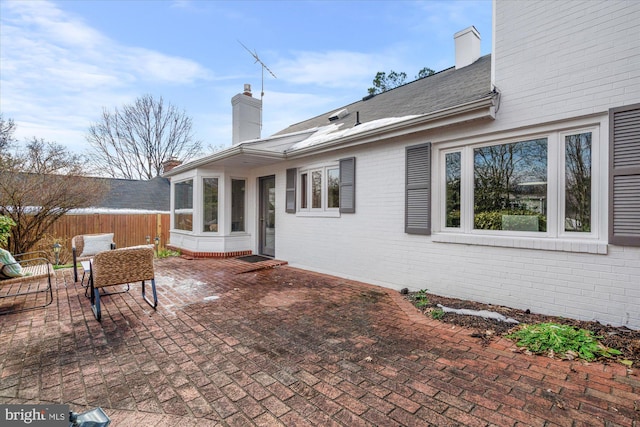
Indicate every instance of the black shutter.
{"type": "Point", "coordinates": [418, 190]}
{"type": "Point", "coordinates": [348, 185]}
{"type": "Point", "coordinates": [624, 175]}
{"type": "Point", "coordinates": [290, 201]}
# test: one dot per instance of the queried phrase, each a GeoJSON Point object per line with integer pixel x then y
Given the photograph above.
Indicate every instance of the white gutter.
{"type": "Point", "coordinates": [237, 150]}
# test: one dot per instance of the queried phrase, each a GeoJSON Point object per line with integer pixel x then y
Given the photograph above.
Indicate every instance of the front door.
{"type": "Point", "coordinates": [267, 216]}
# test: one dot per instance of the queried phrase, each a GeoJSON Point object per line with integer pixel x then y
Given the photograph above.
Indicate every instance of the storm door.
{"type": "Point", "coordinates": [267, 216]}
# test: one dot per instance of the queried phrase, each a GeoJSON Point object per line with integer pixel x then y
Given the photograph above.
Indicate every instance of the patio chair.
{"type": "Point", "coordinates": [85, 246]}
{"type": "Point", "coordinates": [21, 277]}
{"type": "Point", "coordinates": [120, 267]}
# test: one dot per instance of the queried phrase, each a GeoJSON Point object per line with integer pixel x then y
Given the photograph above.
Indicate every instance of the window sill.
{"type": "Point", "coordinates": [545, 244]}
{"type": "Point", "coordinates": [319, 214]}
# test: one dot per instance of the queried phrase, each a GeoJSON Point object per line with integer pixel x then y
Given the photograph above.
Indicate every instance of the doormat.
{"type": "Point", "coordinates": [254, 258]}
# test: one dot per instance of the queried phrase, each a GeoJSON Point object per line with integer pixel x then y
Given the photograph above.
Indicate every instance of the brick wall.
{"type": "Point", "coordinates": [567, 59]}
{"type": "Point", "coordinates": [371, 245]}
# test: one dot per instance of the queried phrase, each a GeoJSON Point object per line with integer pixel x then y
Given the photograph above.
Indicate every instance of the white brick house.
{"type": "Point", "coordinates": [511, 179]}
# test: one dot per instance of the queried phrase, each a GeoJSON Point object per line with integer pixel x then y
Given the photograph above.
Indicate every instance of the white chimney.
{"type": "Point", "coordinates": [467, 47]}
{"type": "Point", "coordinates": [247, 116]}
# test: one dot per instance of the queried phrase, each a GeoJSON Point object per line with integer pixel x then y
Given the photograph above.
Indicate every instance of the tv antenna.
{"type": "Point", "coordinates": [264, 67]}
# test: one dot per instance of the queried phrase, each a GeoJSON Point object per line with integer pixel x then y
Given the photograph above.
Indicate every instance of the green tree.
{"type": "Point", "coordinates": [383, 82]}
{"type": "Point", "coordinates": [133, 142]}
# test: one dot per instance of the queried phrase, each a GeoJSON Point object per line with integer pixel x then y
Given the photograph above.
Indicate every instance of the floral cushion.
{"type": "Point", "coordinates": [95, 244]}
{"type": "Point", "coordinates": [8, 266]}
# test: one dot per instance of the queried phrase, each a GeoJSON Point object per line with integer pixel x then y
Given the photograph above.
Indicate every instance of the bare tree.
{"type": "Point", "coordinates": [7, 128]}
{"type": "Point", "coordinates": [38, 185]}
{"type": "Point", "coordinates": [134, 142]}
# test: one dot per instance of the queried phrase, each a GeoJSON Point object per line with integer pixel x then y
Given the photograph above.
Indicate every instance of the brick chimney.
{"type": "Point", "coordinates": [167, 165]}
{"type": "Point", "coordinates": [247, 116]}
{"type": "Point", "coordinates": [467, 46]}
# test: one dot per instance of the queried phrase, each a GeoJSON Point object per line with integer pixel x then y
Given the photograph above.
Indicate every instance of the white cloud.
{"type": "Point", "coordinates": [328, 69]}
{"type": "Point", "coordinates": [57, 73]}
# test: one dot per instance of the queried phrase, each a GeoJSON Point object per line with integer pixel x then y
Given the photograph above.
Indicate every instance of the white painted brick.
{"type": "Point", "coordinates": [584, 53]}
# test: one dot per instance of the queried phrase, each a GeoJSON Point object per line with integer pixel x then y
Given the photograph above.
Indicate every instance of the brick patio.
{"type": "Point", "coordinates": [231, 345]}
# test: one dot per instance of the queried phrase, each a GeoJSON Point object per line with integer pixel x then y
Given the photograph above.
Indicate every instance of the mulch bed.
{"type": "Point", "coordinates": [621, 338]}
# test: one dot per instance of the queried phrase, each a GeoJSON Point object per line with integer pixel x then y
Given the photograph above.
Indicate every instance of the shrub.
{"type": "Point", "coordinates": [165, 253]}
{"type": "Point", "coordinates": [562, 340]}
{"type": "Point", "coordinates": [492, 220]}
{"type": "Point", "coordinates": [5, 229]}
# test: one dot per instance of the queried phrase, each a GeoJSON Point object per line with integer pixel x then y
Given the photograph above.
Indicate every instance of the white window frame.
{"type": "Point", "coordinates": [184, 210]}
{"type": "Point", "coordinates": [245, 201]}
{"type": "Point", "coordinates": [554, 238]}
{"type": "Point", "coordinates": [595, 188]}
{"type": "Point", "coordinates": [323, 210]}
{"type": "Point", "coordinates": [220, 180]}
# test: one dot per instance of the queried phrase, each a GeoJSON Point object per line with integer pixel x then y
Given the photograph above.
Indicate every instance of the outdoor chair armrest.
{"type": "Point", "coordinates": [34, 269]}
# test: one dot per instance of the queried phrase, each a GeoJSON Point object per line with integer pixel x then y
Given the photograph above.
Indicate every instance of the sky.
{"type": "Point", "coordinates": [63, 62]}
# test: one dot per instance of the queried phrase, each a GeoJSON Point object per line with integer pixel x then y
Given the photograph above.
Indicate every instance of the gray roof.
{"type": "Point", "coordinates": [152, 195]}
{"type": "Point", "coordinates": [445, 89]}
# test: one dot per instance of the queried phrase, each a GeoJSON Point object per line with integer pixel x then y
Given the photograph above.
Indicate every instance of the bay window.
{"type": "Point", "coordinates": [238, 204]}
{"type": "Point", "coordinates": [183, 205]}
{"type": "Point", "coordinates": [210, 204]}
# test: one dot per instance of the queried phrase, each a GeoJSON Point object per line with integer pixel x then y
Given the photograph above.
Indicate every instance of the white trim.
{"type": "Point", "coordinates": [246, 205]}
{"type": "Point", "coordinates": [201, 205]}
{"type": "Point", "coordinates": [548, 244]}
{"type": "Point", "coordinates": [554, 238]}
{"type": "Point", "coordinates": [323, 210]}
{"type": "Point", "coordinates": [595, 187]}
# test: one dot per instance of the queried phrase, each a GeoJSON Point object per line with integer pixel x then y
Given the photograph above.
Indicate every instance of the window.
{"type": "Point", "coordinates": [183, 205]}
{"type": "Point", "coordinates": [510, 186]}
{"type": "Point", "coordinates": [452, 183]}
{"type": "Point", "coordinates": [238, 204]}
{"type": "Point", "coordinates": [577, 191]}
{"type": "Point", "coordinates": [541, 186]}
{"type": "Point", "coordinates": [316, 189]}
{"type": "Point", "coordinates": [210, 204]}
{"type": "Point", "coordinates": [323, 189]}
{"type": "Point", "coordinates": [333, 188]}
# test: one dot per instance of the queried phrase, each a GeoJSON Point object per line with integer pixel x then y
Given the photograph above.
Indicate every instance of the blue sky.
{"type": "Point", "coordinates": [62, 62]}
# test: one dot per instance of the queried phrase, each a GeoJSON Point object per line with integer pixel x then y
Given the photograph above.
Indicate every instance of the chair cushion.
{"type": "Point", "coordinates": [8, 266]}
{"type": "Point", "coordinates": [95, 244]}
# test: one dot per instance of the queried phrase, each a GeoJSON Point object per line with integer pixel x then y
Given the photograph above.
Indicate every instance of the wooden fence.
{"type": "Point", "coordinates": [128, 230]}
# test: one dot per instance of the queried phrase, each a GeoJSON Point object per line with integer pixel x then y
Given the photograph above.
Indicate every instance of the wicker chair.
{"type": "Point", "coordinates": [120, 267]}
{"type": "Point", "coordinates": [35, 266]}
{"type": "Point", "coordinates": [79, 253]}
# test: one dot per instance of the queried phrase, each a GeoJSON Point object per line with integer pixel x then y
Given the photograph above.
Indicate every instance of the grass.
{"type": "Point", "coordinates": [166, 253]}
{"type": "Point", "coordinates": [563, 341]}
{"type": "Point", "coordinates": [421, 298]}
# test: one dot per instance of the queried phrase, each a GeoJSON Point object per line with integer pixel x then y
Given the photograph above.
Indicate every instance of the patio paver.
{"type": "Point", "coordinates": [230, 345]}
